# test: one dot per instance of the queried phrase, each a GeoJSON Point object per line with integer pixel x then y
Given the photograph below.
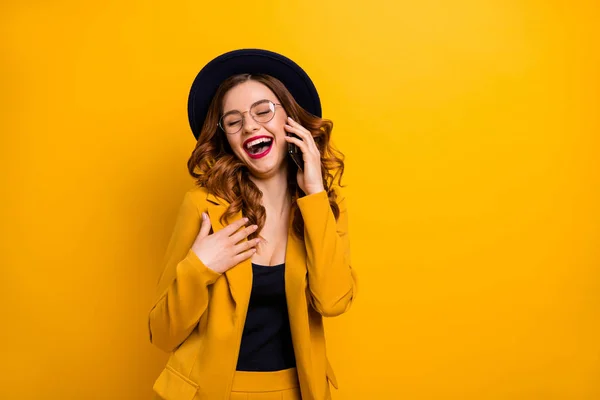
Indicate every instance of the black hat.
{"type": "Point", "coordinates": [250, 61]}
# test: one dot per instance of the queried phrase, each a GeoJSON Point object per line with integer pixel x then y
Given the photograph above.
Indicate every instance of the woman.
{"type": "Point", "coordinates": [260, 250]}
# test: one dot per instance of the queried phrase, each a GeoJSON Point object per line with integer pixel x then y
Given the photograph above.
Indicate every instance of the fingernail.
{"type": "Point", "coordinates": [245, 219]}
{"type": "Point", "coordinates": [204, 216]}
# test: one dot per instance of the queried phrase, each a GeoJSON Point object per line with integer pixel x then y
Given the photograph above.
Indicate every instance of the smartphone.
{"type": "Point", "coordinates": [295, 153]}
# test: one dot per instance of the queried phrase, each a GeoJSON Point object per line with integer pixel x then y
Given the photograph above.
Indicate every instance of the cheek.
{"type": "Point", "coordinates": [276, 126]}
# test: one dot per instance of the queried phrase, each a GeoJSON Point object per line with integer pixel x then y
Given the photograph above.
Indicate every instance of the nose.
{"type": "Point", "coordinates": [250, 125]}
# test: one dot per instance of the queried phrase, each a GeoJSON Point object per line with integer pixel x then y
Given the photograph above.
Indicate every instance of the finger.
{"type": "Point", "coordinates": [234, 226]}
{"type": "Point", "coordinates": [244, 256]}
{"type": "Point", "coordinates": [297, 125]}
{"type": "Point", "coordinates": [247, 245]}
{"type": "Point", "coordinates": [297, 130]}
{"type": "Point", "coordinates": [303, 134]}
{"type": "Point", "coordinates": [205, 226]}
{"type": "Point", "coordinates": [235, 238]}
{"type": "Point", "coordinates": [300, 143]}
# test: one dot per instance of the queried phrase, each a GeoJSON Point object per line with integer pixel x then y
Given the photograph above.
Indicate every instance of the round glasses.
{"type": "Point", "coordinates": [262, 111]}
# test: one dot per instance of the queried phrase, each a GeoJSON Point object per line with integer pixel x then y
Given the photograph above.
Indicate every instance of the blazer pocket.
{"type": "Point", "coordinates": [171, 385]}
{"type": "Point", "coordinates": [331, 375]}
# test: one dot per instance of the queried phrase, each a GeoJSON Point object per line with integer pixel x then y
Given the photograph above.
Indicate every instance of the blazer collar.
{"type": "Point", "coordinates": [216, 199]}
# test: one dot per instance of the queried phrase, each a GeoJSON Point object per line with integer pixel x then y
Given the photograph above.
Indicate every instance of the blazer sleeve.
{"type": "Point", "coordinates": [331, 278]}
{"type": "Point", "coordinates": [182, 289]}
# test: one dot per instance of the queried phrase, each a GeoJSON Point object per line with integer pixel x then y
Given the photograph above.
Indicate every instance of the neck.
{"type": "Point", "coordinates": [275, 197]}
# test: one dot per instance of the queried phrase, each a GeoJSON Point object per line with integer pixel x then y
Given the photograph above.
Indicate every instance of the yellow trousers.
{"type": "Point", "coordinates": [277, 385]}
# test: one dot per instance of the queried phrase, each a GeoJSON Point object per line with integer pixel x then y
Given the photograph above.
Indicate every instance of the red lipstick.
{"type": "Point", "coordinates": [259, 155]}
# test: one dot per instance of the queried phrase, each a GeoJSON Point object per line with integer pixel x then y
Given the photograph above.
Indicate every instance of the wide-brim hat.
{"type": "Point", "coordinates": [250, 61]}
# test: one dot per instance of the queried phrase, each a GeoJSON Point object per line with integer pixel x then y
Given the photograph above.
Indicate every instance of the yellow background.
{"type": "Point", "coordinates": [471, 134]}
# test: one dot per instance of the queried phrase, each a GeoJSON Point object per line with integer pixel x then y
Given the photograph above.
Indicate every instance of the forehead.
{"type": "Point", "coordinates": [242, 96]}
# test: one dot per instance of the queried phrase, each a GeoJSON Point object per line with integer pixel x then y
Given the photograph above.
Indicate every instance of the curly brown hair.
{"type": "Point", "coordinates": [214, 165]}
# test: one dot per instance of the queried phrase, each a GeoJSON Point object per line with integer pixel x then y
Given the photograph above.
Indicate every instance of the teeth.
{"type": "Point", "coordinates": [257, 141]}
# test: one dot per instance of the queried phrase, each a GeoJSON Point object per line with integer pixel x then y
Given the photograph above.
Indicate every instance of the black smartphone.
{"type": "Point", "coordinates": [295, 153]}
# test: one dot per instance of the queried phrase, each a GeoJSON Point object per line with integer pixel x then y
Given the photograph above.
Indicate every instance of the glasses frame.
{"type": "Point", "coordinates": [273, 107]}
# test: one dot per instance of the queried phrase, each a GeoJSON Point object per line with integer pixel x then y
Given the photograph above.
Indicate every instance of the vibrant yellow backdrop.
{"type": "Point", "coordinates": [471, 134]}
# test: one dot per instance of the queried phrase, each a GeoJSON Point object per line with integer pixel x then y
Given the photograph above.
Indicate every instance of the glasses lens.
{"type": "Point", "coordinates": [232, 122]}
{"type": "Point", "coordinates": [263, 111]}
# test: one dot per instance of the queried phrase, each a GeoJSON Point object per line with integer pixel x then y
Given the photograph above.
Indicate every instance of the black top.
{"type": "Point", "coordinates": [267, 340]}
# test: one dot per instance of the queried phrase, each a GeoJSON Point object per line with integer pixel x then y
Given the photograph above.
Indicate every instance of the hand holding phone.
{"type": "Point", "coordinates": [305, 153]}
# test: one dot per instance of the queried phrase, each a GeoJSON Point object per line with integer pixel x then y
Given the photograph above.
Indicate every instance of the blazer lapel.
{"type": "Point", "coordinates": [295, 269]}
{"type": "Point", "coordinates": [295, 292]}
{"type": "Point", "coordinates": [240, 276]}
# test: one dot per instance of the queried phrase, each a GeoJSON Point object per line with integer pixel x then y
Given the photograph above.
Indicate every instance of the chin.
{"type": "Point", "coordinates": [265, 168]}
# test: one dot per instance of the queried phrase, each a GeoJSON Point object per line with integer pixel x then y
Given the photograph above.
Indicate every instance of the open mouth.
{"type": "Point", "coordinates": [259, 147]}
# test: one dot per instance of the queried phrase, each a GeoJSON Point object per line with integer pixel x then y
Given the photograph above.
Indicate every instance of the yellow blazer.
{"type": "Point", "coordinates": [199, 314]}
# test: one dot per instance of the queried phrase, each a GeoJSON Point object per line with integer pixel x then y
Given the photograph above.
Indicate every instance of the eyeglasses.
{"type": "Point", "coordinates": [262, 112]}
